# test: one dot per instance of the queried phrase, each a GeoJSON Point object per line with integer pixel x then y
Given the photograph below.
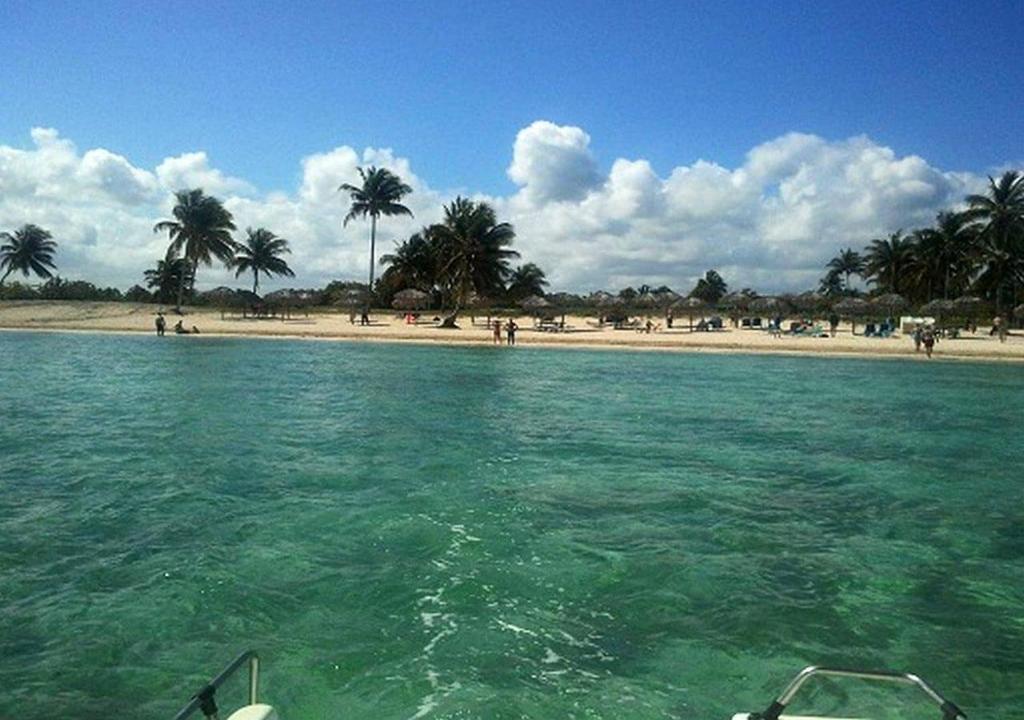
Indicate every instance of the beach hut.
{"type": "Point", "coordinates": [852, 309]}
{"type": "Point", "coordinates": [410, 299]}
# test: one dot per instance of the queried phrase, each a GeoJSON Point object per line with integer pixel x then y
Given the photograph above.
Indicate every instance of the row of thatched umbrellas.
{"type": "Point", "coordinates": [891, 304]}
{"type": "Point", "coordinates": [412, 299]}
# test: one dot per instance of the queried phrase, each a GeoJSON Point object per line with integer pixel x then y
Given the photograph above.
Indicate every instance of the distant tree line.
{"type": "Point", "coordinates": [977, 250]}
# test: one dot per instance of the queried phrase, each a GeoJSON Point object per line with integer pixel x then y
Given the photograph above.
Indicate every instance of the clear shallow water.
{"type": "Point", "coordinates": [480, 533]}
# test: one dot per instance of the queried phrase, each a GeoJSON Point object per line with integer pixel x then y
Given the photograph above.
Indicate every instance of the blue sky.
{"type": "Point", "coordinates": [628, 143]}
{"type": "Point", "coordinates": [260, 85]}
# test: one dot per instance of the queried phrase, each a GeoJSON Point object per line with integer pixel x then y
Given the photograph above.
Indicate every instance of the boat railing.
{"type": "Point", "coordinates": [948, 709]}
{"type": "Point", "coordinates": [205, 698]}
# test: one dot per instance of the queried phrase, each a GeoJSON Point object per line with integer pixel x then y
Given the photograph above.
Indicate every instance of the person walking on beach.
{"type": "Point", "coordinates": [668, 318]}
{"type": "Point", "coordinates": [999, 328]}
{"type": "Point", "coordinates": [511, 330]}
{"type": "Point", "coordinates": [918, 335]}
{"type": "Point", "coordinates": [928, 340]}
{"type": "Point", "coordinates": [161, 324]}
{"type": "Point", "coordinates": [497, 331]}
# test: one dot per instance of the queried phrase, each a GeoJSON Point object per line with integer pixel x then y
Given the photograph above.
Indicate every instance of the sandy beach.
{"type": "Point", "coordinates": [391, 327]}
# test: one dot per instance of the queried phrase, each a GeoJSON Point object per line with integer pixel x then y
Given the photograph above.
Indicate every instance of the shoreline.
{"type": "Point", "coordinates": [128, 319]}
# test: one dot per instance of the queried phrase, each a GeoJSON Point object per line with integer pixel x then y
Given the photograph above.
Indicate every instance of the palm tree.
{"type": "Point", "coordinates": [200, 231]}
{"type": "Point", "coordinates": [379, 195]}
{"type": "Point", "coordinates": [526, 280]}
{"type": "Point", "coordinates": [710, 288]}
{"type": "Point", "coordinates": [29, 249]}
{"type": "Point", "coordinates": [885, 261]}
{"type": "Point", "coordinates": [942, 256]}
{"type": "Point", "coordinates": [999, 216]}
{"type": "Point", "coordinates": [413, 264]}
{"type": "Point", "coordinates": [168, 276]}
{"type": "Point", "coordinates": [262, 253]}
{"type": "Point", "coordinates": [848, 262]}
{"type": "Point", "coordinates": [472, 251]}
{"type": "Point", "coordinates": [831, 286]}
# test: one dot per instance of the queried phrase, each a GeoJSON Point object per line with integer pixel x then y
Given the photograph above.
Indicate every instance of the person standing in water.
{"type": "Point", "coordinates": [161, 324]}
{"type": "Point", "coordinates": [511, 329]}
{"type": "Point", "coordinates": [497, 331]}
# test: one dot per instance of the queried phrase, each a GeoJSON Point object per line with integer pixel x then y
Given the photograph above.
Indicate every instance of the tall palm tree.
{"type": "Point", "coordinates": [168, 276]}
{"type": "Point", "coordinates": [472, 251]}
{"type": "Point", "coordinates": [29, 249]}
{"type": "Point", "coordinates": [526, 280]}
{"type": "Point", "coordinates": [886, 260]}
{"type": "Point", "coordinates": [379, 195]}
{"type": "Point", "coordinates": [999, 216]}
{"type": "Point", "coordinates": [200, 231]}
{"type": "Point", "coordinates": [261, 253]}
{"type": "Point", "coordinates": [848, 262]}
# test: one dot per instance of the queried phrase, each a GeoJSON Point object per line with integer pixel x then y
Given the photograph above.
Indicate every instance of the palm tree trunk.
{"type": "Point", "coordinates": [255, 281]}
{"type": "Point", "coordinates": [373, 243]}
{"type": "Point", "coordinates": [181, 287]}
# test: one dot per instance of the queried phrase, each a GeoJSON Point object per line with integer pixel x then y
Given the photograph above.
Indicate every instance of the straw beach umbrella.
{"type": "Point", "coordinates": [1018, 312]}
{"type": "Point", "coordinates": [938, 309]}
{"type": "Point", "coordinates": [967, 306]}
{"type": "Point", "coordinates": [890, 304]}
{"type": "Point", "coordinates": [768, 305]}
{"type": "Point", "coordinates": [853, 309]}
{"type": "Point", "coordinates": [690, 306]}
{"type": "Point", "coordinates": [410, 299]}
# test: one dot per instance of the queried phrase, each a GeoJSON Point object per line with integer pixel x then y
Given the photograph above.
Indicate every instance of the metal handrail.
{"type": "Point", "coordinates": [204, 699]}
{"type": "Point", "coordinates": [948, 709]}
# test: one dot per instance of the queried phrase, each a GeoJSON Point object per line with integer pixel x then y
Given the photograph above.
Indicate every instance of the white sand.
{"type": "Point", "coordinates": [133, 317]}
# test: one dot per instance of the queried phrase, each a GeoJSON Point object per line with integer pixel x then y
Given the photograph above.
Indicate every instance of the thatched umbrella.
{"type": "Point", "coordinates": [809, 302]}
{"type": "Point", "coordinates": [768, 305]}
{"type": "Point", "coordinates": [690, 306]}
{"type": "Point", "coordinates": [647, 300]}
{"type": "Point", "coordinates": [967, 306]}
{"type": "Point", "coordinates": [853, 309]}
{"type": "Point", "coordinates": [601, 298]}
{"type": "Point", "coordinates": [890, 304]}
{"type": "Point", "coordinates": [938, 308]}
{"type": "Point", "coordinates": [666, 298]}
{"type": "Point", "coordinates": [410, 299]}
{"type": "Point", "coordinates": [1018, 312]}
{"type": "Point", "coordinates": [733, 301]}
{"type": "Point", "coordinates": [534, 302]}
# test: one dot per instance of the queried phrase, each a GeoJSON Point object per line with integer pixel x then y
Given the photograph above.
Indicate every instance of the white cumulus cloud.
{"type": "Point", "coordinates": [770, 223]}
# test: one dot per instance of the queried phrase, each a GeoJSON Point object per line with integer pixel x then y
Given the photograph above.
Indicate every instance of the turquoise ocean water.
{"type": "Point", "coordinates": [407, 531]}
